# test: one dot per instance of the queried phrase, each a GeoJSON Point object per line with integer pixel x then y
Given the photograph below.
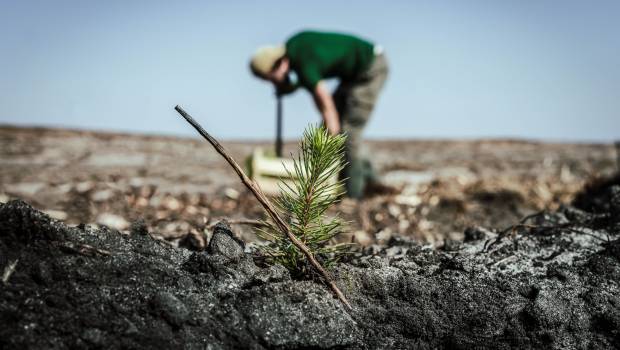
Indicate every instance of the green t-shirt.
{"type": "Point", "coordinates": [320, 55]}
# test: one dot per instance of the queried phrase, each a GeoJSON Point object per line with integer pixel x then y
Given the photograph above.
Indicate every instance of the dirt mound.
{"type": "Point", "coordinates": [550, 282]}
{"type": "Point", "coordinates": [600, 196]}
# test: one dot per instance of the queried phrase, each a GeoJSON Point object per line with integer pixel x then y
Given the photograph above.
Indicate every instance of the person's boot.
{"type": "Point", "coordinates": [373, 186]}
{"type": "Point", "coordinates": [355, 179]}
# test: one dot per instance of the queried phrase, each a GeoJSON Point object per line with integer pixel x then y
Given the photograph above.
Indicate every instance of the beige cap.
{"type": "Point", "coordinates": [264, 59]}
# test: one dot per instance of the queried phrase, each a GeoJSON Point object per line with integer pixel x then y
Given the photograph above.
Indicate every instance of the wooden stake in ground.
{"type": "Point", "coordinates": [264, 201]}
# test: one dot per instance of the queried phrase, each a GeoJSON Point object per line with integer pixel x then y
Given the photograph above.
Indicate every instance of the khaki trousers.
{"type": "Point", "coordinates": [355, 101]}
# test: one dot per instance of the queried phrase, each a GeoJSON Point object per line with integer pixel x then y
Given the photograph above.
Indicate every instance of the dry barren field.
{"type": "Point", "coordinates": [179, 186]}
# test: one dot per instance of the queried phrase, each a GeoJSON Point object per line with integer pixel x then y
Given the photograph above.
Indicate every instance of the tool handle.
{"type": "Point", "coordinates": [278, 125]}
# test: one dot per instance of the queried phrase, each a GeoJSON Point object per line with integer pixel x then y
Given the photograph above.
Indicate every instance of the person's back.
{"type": "Point", "coordinates": [322, 55]}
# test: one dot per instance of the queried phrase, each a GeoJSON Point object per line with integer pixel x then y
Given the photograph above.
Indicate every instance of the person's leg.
{"type": "Point", "coordinates": [354, 171]}
{"type": "Point", "coordinates": [356, 106]}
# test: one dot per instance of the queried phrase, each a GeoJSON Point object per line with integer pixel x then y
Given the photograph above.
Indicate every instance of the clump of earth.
{"type": "Point", "coordinates": [551, 280]}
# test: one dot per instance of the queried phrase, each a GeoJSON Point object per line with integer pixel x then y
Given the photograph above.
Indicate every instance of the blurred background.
{"type": "Point", "coordinates": [459, 69]}
{"type": "Point", "coordinates": [493, 109]}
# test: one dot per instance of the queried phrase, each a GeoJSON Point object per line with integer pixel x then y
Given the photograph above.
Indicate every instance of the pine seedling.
{"type": "Point", "coordinates": [304, 201]}
{"type": "Point", "coordinates": [278, 221]}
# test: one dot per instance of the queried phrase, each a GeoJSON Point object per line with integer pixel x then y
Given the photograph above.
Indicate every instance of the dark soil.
{"type": "Point", "coordinates": [552, 283]}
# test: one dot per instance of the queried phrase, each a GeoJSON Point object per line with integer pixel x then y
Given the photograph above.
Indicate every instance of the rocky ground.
{"type": "Point", "coordinates": [491, 244]}
{"type": "Point", "coordinates": [178, 184]}
{"type": "Point", "coordinates": [549, 281]}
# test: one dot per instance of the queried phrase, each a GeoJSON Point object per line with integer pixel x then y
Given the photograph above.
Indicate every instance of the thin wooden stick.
{"type": "Point", "coordinates": [271, 211]}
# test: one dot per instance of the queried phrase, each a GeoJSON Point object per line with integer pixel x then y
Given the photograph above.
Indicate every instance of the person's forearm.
{"type": "Point", "coordinates": [331, 120]}
{"type": "Point", "coordinates": [326, 106]}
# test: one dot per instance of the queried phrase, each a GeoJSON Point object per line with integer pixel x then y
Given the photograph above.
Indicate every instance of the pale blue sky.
{"type": "Point", "coordinates": [459, 69]}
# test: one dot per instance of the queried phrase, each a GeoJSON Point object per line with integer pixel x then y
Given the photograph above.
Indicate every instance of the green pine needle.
{"type": "Point", "coordinates": [305, 201]}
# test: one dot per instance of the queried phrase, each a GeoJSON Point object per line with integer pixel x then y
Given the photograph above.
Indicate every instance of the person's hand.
{"type": "Point", "coordinates": [284, 88]}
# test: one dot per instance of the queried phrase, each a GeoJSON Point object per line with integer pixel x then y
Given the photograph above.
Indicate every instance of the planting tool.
{"type": "Point", "coordinates": [269, 170]}
{"type": "Point", "coordinates": [265, 168]}
{"type": "Point", "coordinates": [278, 125]}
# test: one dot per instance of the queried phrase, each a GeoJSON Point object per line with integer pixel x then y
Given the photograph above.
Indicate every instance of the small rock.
{"type": "Point", "coordinates": [275, 273]}
{"type": "Point", "coordinates": [394, 210]}
{"type": "Point", "coordinates": [172, 203]}
{"type": "Point", "coordinates": [393, 252]}
{"type": "Point", "coordinates": [136, 182]}
{"type": "Point", "coordinates": [112, 221]}
{"type": "Point", "coordinates": [434, 201]}
{"type": "Point", "coordinates": [384, 235]}
{"type": "Point", "coordinates": [410, 200]}
{"type": "Point", "coordinates": [141, 202]}
{"type": "Point", "coordinates": [191, 210]}
{"type": "Point", "coordinates": [155, 201]}
{"type": "Point", "coordinates": [425, 225]}
{"type": "Point", "coordinates": [170, 308]}
{"type": "Point", "coordinates": [102, 196]}
{"type": "Point", "coordinates": [224, 243]}
{"type": "Point", "coordinates": [403, 225]}
{"type": "Point", "coordinates": [131, 328]}
{"type": "Point", "coordinates": [362, 238]}
{"type": "Point", "coordinates": [231, 193]}
{"type": "Point", "coordinates": [85, 186]}
{"type": "Point", "coordinates": [456, 236]}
